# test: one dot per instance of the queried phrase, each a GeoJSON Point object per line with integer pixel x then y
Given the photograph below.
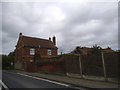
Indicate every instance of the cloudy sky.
{"type": "Point", "coordinates": [73, 23]}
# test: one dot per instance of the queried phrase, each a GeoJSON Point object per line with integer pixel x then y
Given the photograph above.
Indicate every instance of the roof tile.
{"type": "Point", "coordinates": [35, 42]}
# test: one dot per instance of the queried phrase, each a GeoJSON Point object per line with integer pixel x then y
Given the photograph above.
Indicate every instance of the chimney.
{"type": "Point", "coordinates": [54, 40]}
{"type": "Point", "coordinates": [49, 39]}
{"type": "Point", "coordinates": [20, 34]}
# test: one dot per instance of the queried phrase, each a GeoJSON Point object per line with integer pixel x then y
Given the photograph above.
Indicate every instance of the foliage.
{"type": "Point", "coordinates": [96, 49]}
{"type": "Point", "coordinates": [5, 62]}
{"type": "Point", "coordinates": [108, 47]}
{"type": "Point", "coordinates": [8, 60]}
{"type": "Point", "coordinates": [77, 50]}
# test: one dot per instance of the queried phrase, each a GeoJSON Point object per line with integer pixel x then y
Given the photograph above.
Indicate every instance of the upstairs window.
{"type": "Point", "coordinates": [49, 52]}
{"type": "Point", "coordinates": [32, 51]}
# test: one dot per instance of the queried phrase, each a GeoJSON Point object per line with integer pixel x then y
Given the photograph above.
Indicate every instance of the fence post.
{"type": "Point", "coordinates": [80, 64]}
{"type": "Point", "coordinates": [104, 68]}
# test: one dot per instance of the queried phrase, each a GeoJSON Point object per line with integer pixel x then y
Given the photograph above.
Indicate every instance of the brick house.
{"type": "Point", "coordinates": [27, 47]}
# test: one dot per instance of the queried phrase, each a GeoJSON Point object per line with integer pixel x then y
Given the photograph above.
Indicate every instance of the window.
{"type": "Point", "coordinates": [32, 51]}
{"type": "Point", "coordinates": [49, 52]}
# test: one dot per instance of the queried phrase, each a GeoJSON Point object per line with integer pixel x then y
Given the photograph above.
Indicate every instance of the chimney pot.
{"type": "Point", "coordinates": [20, 34]}
{"type": "Point", "coordinates": [54, 40]}
{"type": "Point", "coordinates": [49, 39]}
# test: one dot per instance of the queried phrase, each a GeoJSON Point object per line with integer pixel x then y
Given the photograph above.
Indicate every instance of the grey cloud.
{"type": "Point", "coordinates": [91, 11]}
{"type": "Point", "coordinates": [0, 27]}
{"type": "Point", "coordinates": [82, 24]}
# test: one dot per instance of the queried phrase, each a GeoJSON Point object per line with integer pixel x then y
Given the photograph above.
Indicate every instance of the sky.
{"type": "Point", "coordinates": [73, 23]}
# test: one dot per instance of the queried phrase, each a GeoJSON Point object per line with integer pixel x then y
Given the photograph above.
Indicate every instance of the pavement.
{"type": "Point", "coordinates": [85, 82]}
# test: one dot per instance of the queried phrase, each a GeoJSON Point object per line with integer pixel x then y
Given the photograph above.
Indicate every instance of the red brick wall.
{"type": "Point", "coordinates": [18, 51]}
{"type": "Point", "coordinates": [43, 52]}
{"type": "Point", "coordinates": [52, 67]}
{"type": "Point", "coordinates": [22, 54]}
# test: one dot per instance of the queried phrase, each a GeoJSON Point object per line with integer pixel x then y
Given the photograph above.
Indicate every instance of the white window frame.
{"type": "Point", "coordinates": [49, 52]}
{"type": "Point", "coordinates": [32, 51]}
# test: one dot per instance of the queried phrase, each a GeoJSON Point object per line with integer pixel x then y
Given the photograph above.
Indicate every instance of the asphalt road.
{"type": "Point", "coordinates": [14, 80]}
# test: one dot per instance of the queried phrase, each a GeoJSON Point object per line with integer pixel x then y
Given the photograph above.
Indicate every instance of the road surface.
{"type": "Point", "coordinates": [16, 80]}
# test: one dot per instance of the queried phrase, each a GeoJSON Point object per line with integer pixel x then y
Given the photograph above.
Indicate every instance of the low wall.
{"type": "Point", "coordinates": [51, 66]}
{"type": "Point", "coordinates": [18, 65]}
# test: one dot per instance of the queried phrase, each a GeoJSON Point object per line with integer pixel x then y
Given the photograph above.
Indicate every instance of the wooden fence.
{"type": "Point", "coordinates": [105, 65]}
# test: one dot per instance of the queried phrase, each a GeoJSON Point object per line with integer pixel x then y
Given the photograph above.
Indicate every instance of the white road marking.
{"type": "Point", "coordinates": [4, 85]}
{"type": "Point", "coordinates": [46, 80]}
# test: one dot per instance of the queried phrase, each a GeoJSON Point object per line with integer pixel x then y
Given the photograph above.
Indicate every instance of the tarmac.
{"type": "Point", "coordinates": [89, 82]}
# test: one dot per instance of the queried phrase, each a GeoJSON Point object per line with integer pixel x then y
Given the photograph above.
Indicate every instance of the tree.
{"type": "Point", "coordinates": [96, 49]}
{"type": "Point", "coordinates": [108, 47]}
{"type": "Point", "coordinates": [8, 60]}
{"type": "Point", "coordinates": [76, 50]}
{"type": "Point", "coordinates": [5, 62]}
{"type": "Point", "coordinates": [11, 58]}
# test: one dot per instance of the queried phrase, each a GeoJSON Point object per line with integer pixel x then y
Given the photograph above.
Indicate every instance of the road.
{"type": "Point", "coordinates": [16, 80]}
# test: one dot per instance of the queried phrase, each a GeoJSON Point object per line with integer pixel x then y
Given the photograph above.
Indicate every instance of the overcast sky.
{"type": "Point", "coordinates": [73, 23]}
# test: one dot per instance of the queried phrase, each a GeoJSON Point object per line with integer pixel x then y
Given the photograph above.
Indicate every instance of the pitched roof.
{"type": "Point", "coordinates": [35, 42]}
{"type": "Point", "coordinates": [83, 50]}
{"type": "Point", "coordinates": [107, 50]}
